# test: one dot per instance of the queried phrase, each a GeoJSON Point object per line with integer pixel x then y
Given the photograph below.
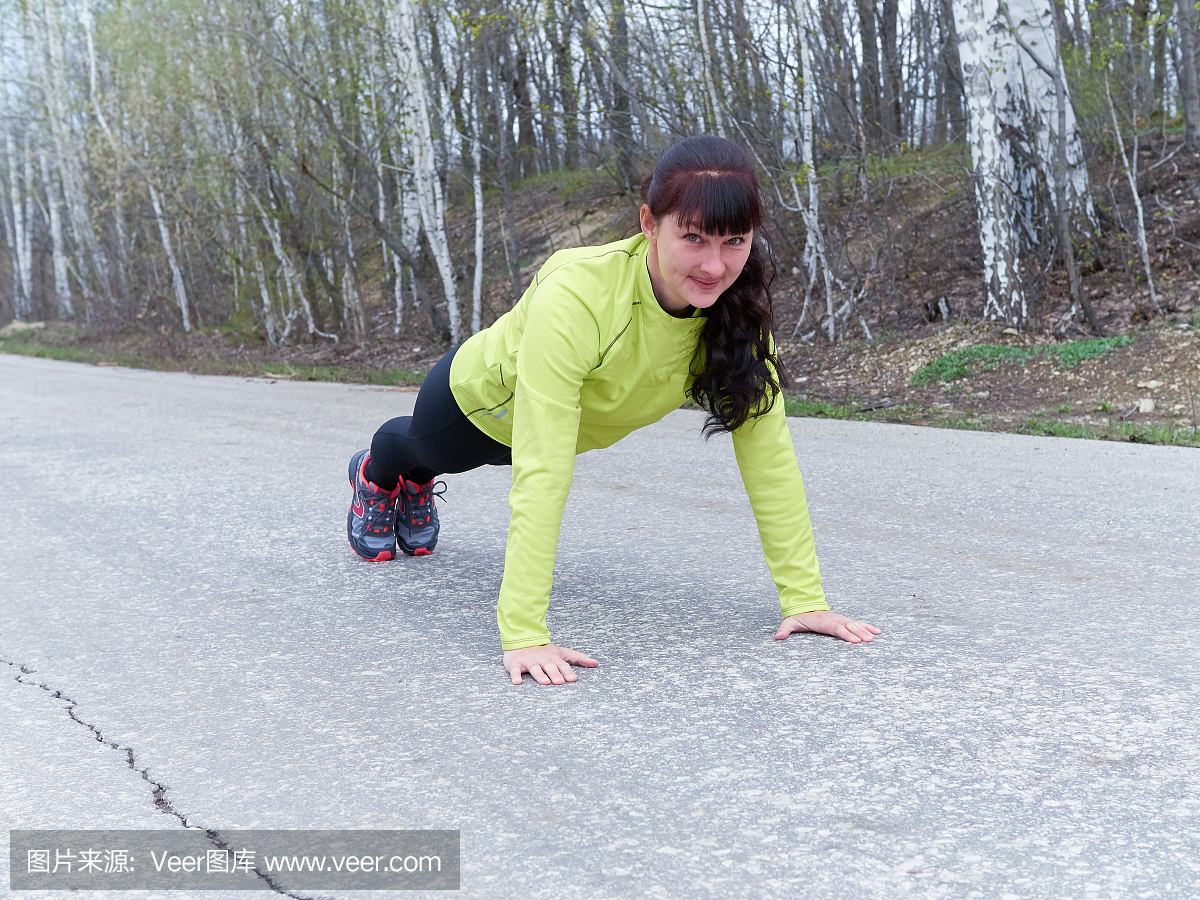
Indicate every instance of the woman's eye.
{"type": "Point", "coordinates": [691, 238]}
{"type": "Point", "coordinates": [737, 241]}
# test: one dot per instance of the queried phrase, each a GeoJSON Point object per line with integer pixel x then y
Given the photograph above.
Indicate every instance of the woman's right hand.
{"type": "Point", "coordinates": [547, 663]}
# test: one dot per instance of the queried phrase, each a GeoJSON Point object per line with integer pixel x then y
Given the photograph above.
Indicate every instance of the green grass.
{"type": "Point", "coordinates": [1162, 434]}
{"type": "Point", "coordinates": [961, 363]}
{"type": "Point", "coordinates": [1061, 429]}
{"type": "Point", "coordinates": [568, 184]}
{"type": "Point", "coordinates": [900, 412]}
{"type": "Point", "coordinates": [967, 361]}
{"type": "Point", "coordinates": [339, 374]}
{"type": "Point", "coordinates": [69, 354]}
{"type": "Point", "coordinates": [96, 356]}
{"type": "Point", "coordinates": [818, 409]}
{"type": "Point", "coordinates": [962, 423]}
{"type": "Point", "coordinates": [1075, 352]}
{"type": "Point", "coordinates": [1138, 434]}
{"type": "Point", "coordinates": [908, 162]}
{"type": "Point", "coordinates": [911, 162]}
{"type": "Point", "coordinates": [1037, 424]}
{"type": "Point", "coordinates": [858, 410]}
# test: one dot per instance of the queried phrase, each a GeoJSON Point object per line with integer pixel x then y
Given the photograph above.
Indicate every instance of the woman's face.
{"type": "Point", "coordinates": [688, 267]}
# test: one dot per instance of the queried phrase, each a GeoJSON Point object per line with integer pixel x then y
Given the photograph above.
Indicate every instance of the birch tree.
{"type": "Point", "coordinates": [1022, 131]}
{"type": "Point", "coordinates": [1058, 144]}
{"type": "Point", "coordinates": [164, 234]}
{"type": "Point", "coordinates": [428, 185]}
{"type": "Point", "coordinates": [477, 189]}
{"type": "Point", "coordinates": [19, 242]}
{"type": "Point", "coordinates": [1189, 82]}
{"type": "Point", "coordinates": [311, 158]}
{"type": "Point", "coordinates": [1130, 169]}
{"type": "Point", "coordinates": [815, 258]}
{"type": "Point", "coordinates": [986, 50]}
{"type": "Point", "coordinates": [1040, 98]}
{"type": "Point", "coordinates": [66, 145]}
{"type": "Point", "coordinates": [117, 150]}
{"type": "Point", "coordinates": [62, 286]}
{"type": "Point", "coordinates": [706, 68]}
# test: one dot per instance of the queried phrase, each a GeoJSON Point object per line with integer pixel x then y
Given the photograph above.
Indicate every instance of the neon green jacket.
{"type": "Point", "coordinates": [586, 357]}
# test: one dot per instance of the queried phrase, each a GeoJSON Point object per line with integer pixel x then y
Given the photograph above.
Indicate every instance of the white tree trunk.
{"type": "Point", "coordinates": [706, 68]}
{"type": "Point", "coordinates": [987, 53]}
{"type": "Point", "coordinates": [1064, 171]}
{"type": "Point", "coordinates": [1033, 96]}
{"type": "Point", "coordinates": [231, 140]}
{"type": "Point", "coordinates": [21, 254]}
{"type": "Point", "coordinates": [397, 294]}
{"type": "Point", "coordinates": [1022, 128]}
{"type": "Point", "coordinates": [30, 208]}
{"type": "Point", "coordinates": [62, 287]}
{"type": "Point", "coordinates": [376, 78]}
{"type": "Point", "coordinates": [350, 291]}
{"type": "Point", "coordinates": [390, 258]}
{"type": "Point", "coordinates": [1189, 89]}
{"type": "Point", "coordinates": [58, 250]}
{"type": "Point", "coordinates": [176, 275]}
{"type": "Point", "coordinates": [410, 236]}
{"type": "Point", "coordinates": [1131, 174]}
{"type": "Point", "coordinates": [429, 189]}
{"type": "Point", "coordinates": [118, 192]}
{"type": "Point", "coordinates": [291, 277]}
{"type": "Point", "coordinates": [264, 292]}
{"type": "Point", "coordinates": [6, 214]}
{"type": "Point", "coordinates": [250, 250]}
{"type": "Point", "coordinates": [477, 184]}
{"type": "Point", "coordinates": [67, 147]}
{"type": "Point", "coordinates": [815, 259]}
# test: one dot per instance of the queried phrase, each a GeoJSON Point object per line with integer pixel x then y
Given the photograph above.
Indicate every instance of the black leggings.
{"type": "Point", "coordinates": [437, 438]}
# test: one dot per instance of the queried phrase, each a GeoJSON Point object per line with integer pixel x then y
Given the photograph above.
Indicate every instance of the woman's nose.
{"type": "Point", "coordinates": [711, 264]}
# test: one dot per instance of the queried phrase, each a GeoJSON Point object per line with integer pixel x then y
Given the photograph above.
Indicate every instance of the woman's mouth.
{"type": "Point", "coordinates": [706, 284]}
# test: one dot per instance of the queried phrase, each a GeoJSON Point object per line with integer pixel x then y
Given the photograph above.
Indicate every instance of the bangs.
{"type": "Point", "coordinates": [714, 202]}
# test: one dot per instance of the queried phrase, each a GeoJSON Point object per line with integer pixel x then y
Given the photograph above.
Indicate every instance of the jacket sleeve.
{"type": "Point", "coordinates": [559, 346]}
{"type": "Point", "coordinates": [766, 458]}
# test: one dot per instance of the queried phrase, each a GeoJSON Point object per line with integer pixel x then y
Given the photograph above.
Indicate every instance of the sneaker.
{"type": "Point", "coordinates": [417, 519]}
{"type": "Point", "coordinates": [370, 524]}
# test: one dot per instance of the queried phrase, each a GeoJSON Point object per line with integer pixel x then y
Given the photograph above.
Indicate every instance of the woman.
{"type": "Point", "coordinates": [606, 340]}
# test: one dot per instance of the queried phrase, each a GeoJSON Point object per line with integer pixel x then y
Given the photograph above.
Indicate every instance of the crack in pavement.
{"type": "Point", "coordinates": [158, 789]}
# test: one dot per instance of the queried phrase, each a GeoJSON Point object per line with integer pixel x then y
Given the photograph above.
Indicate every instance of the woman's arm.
{"type": "Point", "coordinates": [558, 348]}
{"type": "Point", "coordinates": [766, 458]}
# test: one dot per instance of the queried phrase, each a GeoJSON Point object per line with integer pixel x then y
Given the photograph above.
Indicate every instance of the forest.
{"type": "Point", "coordinates": [343, 171]}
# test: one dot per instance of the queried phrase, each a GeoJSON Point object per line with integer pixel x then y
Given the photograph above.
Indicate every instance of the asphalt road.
{"type": "Point", "coordinates": [187, 638]}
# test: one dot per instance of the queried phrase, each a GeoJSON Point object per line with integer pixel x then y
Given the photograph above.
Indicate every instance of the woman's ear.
{"type": "Point", "coordinates": [649, 226]}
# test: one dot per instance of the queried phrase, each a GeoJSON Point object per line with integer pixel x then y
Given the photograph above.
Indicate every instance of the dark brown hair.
{"type": "Point", "coordinates": [710, 184]}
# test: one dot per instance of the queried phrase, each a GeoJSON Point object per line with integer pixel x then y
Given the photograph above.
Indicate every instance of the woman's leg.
{"type": "Point", "coordinates": [436, 439]}
{"type": "Point", "coordinates": [406, 455]}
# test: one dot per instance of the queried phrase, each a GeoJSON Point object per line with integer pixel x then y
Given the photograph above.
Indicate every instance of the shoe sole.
{"type": "Point", "coordinates": [417, 551]}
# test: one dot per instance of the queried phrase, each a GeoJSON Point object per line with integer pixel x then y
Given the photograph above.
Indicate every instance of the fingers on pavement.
{"type": "Point", "coordinates": [577, 658]}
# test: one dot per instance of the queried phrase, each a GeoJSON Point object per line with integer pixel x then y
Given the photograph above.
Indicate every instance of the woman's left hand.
{"type": "Point", "coordinates": [823, 621]}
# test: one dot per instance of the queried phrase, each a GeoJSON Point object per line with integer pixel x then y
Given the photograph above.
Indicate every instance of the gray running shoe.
{"type": "Point", "coordinates": [416, 518]}
{"type": "Point", "coordinates": [370, 524]}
